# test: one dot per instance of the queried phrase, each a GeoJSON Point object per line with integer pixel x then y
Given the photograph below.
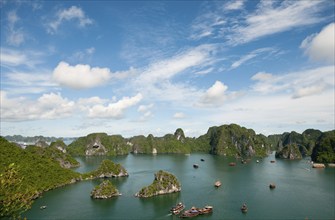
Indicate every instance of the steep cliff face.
{"type": "Point", "coordinates": [105, 190]}
{"type": "Point", "coordinates": [290, 151]}
{"type": "Point", "coordinates": [234, 140]}
{"type": "Point", "coordinates": [107, 168]}
{"type": "Point", "coordinates": [163, 183]}
{"type": "Point", "coordinates": [99, 144]}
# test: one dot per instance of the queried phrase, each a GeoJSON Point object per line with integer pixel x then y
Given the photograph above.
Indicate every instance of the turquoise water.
{"type": "Point", "coordinates": [301, 192]}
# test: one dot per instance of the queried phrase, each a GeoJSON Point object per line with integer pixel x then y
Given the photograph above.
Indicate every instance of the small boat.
{"type": "Point", "coordinates": [257, 161]}
{"type": "Point", "coordinates": [273, 161]}
{"type": "Point", "coordinates": [202, 159]}
{"type": "Point", "coordinates": [244, 208]}
{"type": "Point", "coordinates": [207, 209]}
{"type": "Point", "coordinates": [272, 186]}
{"type": "Point", "coordinates": [232, 164]}
{"type": "Point", "coordinates": [190, 213]}
{"type": "Point", "coordinates": [217, 184]}
{"type": "Point", "coordinates": [243, 161]}
{"type": "Point", "coordinates": [43, 207]}
{"type": "Point", "coordinates": [177, 208]}
{"type": "Point", "coordinates": [195, 165]}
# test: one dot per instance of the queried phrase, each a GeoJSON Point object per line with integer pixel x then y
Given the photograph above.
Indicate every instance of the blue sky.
{"type": "Point", "coordinates": [70, 68]}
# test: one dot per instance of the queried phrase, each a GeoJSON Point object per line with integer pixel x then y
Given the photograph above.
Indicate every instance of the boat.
{"type": "Point", "coordinates": [272, 186]}
{"type": "Point", "coordinates": [244, 208]}
{"type": "Point", "coordinates": [217, 184]}
{"type": "Point", "coordinates": [190, 213]}
{"type": "Point", "coordinates": [177, 208]}
{"type": "Point", "coordinates": [257, 161]}
{"type": "Point", "coordinates": [202, 159]}
{"type": "Point", "coordinates": [206, 210]}
{"type": "Point", "coordinates": [195, 165]}
{"type": "Point", "coordinates": [43, 207]}
{"type": "Point", "coordinates": [272, 161]}
{"type": "Point", "coordinates": [232, 164]}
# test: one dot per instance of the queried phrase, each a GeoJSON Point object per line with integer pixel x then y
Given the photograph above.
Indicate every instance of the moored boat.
{"type": "Point", "coordinates": [195, 165]}
{"type": "Point", "coordinates": [177, 208]}
{"type": "Point", "coordinates": [217, 184]}
{"type": "Point", "coordinates": [43, 207]}
{"type": "Point", "coordinates": [244, 208]}
{"type": "Point", "coordinates": [232, 164]}
{"type": "Point", "coordinates": [206, 210]}
{"type": "Point", "coordinates": [202, 160]}
{"type": "Point", "coordinates": [272, 161]}
{"type": "Point", "coordinates": [190, 213]}
{"type": "Point", "coordinates": [272, 186]}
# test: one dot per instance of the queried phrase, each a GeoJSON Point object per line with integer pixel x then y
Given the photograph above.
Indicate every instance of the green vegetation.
{"type": "Point", "coordinates": [110, 145]}
{"type": "Point", "coordinates": [290, 151]}
{"type": "Point", "coordinates": [33, 174]}
{"type": "Point", "coordinates": [163, 183]}
{"type": "Point", "coordinates": [107, 168]}
{"type": "Point", "coordinates": [324, 150]}
{"type": "Point", "coordinates": [56, 152]}
{"type": "Point", "coordinates": [105, 190]}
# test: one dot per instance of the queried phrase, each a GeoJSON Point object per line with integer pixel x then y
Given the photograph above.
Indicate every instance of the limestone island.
{"type": "Point", "coordinates": [107, 169]}
{"type": "Point", "coordinates": [104, 191]}
{"type": "Point", "coordinates": [163, 183]}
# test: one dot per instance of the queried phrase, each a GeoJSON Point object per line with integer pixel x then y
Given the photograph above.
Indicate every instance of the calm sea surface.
{"type": "Point", "coordinates": [302, 192]}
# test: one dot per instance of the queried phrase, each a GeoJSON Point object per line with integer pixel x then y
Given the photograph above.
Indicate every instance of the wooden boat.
{"type": "Point", "coordinates": [244, 208]}
{"type": "Point", "coordinates": [43, 207]}
{"type": "Point", "coordinates": [272, 186]}
{"type": "Point", "coordinates": [232, 164]}
{"type": "Point", "coordinates": [217, 184]}
{"type": "Point", "coordinates": [195, 165]}
{"type": "Point", "coordinates": [273, 161]}
{"type": "Point", "coordinates": [257, 161]}
{"type": "Point", "coordinates": [206, 210]}
{"type": "Point", "coordinates": [202, 159]}
{"type": "Point", "coordinates": [177, 208]}
{"type": "Point", "coordinates": [190, 213]}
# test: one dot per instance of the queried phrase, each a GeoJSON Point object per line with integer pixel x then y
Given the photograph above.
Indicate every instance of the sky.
{"type": "Point", "coordinates": [70, 68]}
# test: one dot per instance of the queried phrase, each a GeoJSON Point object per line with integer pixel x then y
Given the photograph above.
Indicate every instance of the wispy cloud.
{"type": "Point", "coordinates": [234, 5]}
{"type": "Point", "coordinates": [15, 35]}
{"type": "Point", "coordinates": [297, 84]}
{"type": "Point", "coordinates": [14, 58]}
{"type": "Point", "coordinates": [72, 13]}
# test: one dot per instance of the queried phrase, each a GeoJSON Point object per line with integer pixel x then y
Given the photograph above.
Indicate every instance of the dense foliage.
{"type": "Point", "coordinates": [164, 182]}
{"type": "Point", "coordinates": [290, 151]}
{"type": "Point", "coordinates": [112, 144]}
{"type": "Point", "coordinates": [107, 168]}
{"type": "Point", "coordinates": [324, 150]}
{"type": "Point", "coordinates": [105, 190]}
{"type": "Point", "coordinates": [34, 173]}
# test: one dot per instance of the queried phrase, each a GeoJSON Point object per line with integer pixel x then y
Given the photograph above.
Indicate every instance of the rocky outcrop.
{"type": "Point", "coordinates": [104, 191]}
{"type": "Point", "coordinates": [290, 151]}
{"type": "Point", "coordinates": [107, 169]}
{"type": "Point", "coordinates": [324, 150]}
{"type": "Point", "coordinates": [163, 183]}
{"type": "Point", "coordinates": [41, 143]}
{"type": "Point", "coordinates": [95, 148]}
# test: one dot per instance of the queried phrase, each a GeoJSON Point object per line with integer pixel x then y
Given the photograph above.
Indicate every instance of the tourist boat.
{"type": "Point", "coordinates": [43, 207]}
{"type": "Point", "coordinates": [190, 213]}
{"type": "Point", "coordinates": [207, 209]}
{"type": "Point", "coordinates": [177, 208]}
{"type": "Point", "coordinates": [217, 183]}
{"type": "Point", "coordinates": [232, 164]}
{"type": "Point", "coordinates": [244, 208]}
{"type": "Point", "coordinates": [195, 165]}
{"type": "Point", "coordinates": [272, 186]}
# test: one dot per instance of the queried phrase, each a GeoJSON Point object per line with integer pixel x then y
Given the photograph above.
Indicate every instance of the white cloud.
{"type": "Point", "coordinates": [234, 5]}
{"type": "Point", "coordinates": [80, 76]}
{"type": "Point", "coordinates": [14, 58]}
{"type": "Point", "coordinates": [114, 110]}
{"type": "Point", "coordinates": [297, 84]}
{"type": "Point", "coordinates": [215, 95]}
{"type": "Point", "coordinates": [269, 19]}
{"type": "Point", "coordinates": [146, 111]}
{"type": "Point", "coordinates": [179, 115]}
{"type": "Point", "coordinates": [72, 13]}
{"type": "Point", "coordinates": [48, 106]}
{"type": "Point", "coordinates": [15, 36]}
{"type": "Point", "coordinates": [82, 55]}
{"type": "Point", "coordinates": [321, 46]}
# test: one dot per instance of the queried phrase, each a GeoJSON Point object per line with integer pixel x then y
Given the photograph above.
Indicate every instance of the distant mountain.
{"type": "Point", "coordinates": [35, 139]}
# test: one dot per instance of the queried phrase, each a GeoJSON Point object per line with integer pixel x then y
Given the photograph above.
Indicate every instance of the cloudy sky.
{"type": "Point", "coordinates": [70, 68]}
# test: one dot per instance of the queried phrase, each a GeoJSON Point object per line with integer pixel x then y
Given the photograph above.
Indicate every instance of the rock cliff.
{"type": "Point", "coordinates": [106, 169]}
{"type": "Point", "coordinates": [163, 183]}
{"type": "Point", "coordinates": [105, 190]}
{"type": "Point", "coordinates": [290, 151]}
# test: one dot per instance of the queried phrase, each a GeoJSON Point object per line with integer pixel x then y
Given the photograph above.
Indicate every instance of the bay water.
{"type": "Point", "coordinates": [301, 192]}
